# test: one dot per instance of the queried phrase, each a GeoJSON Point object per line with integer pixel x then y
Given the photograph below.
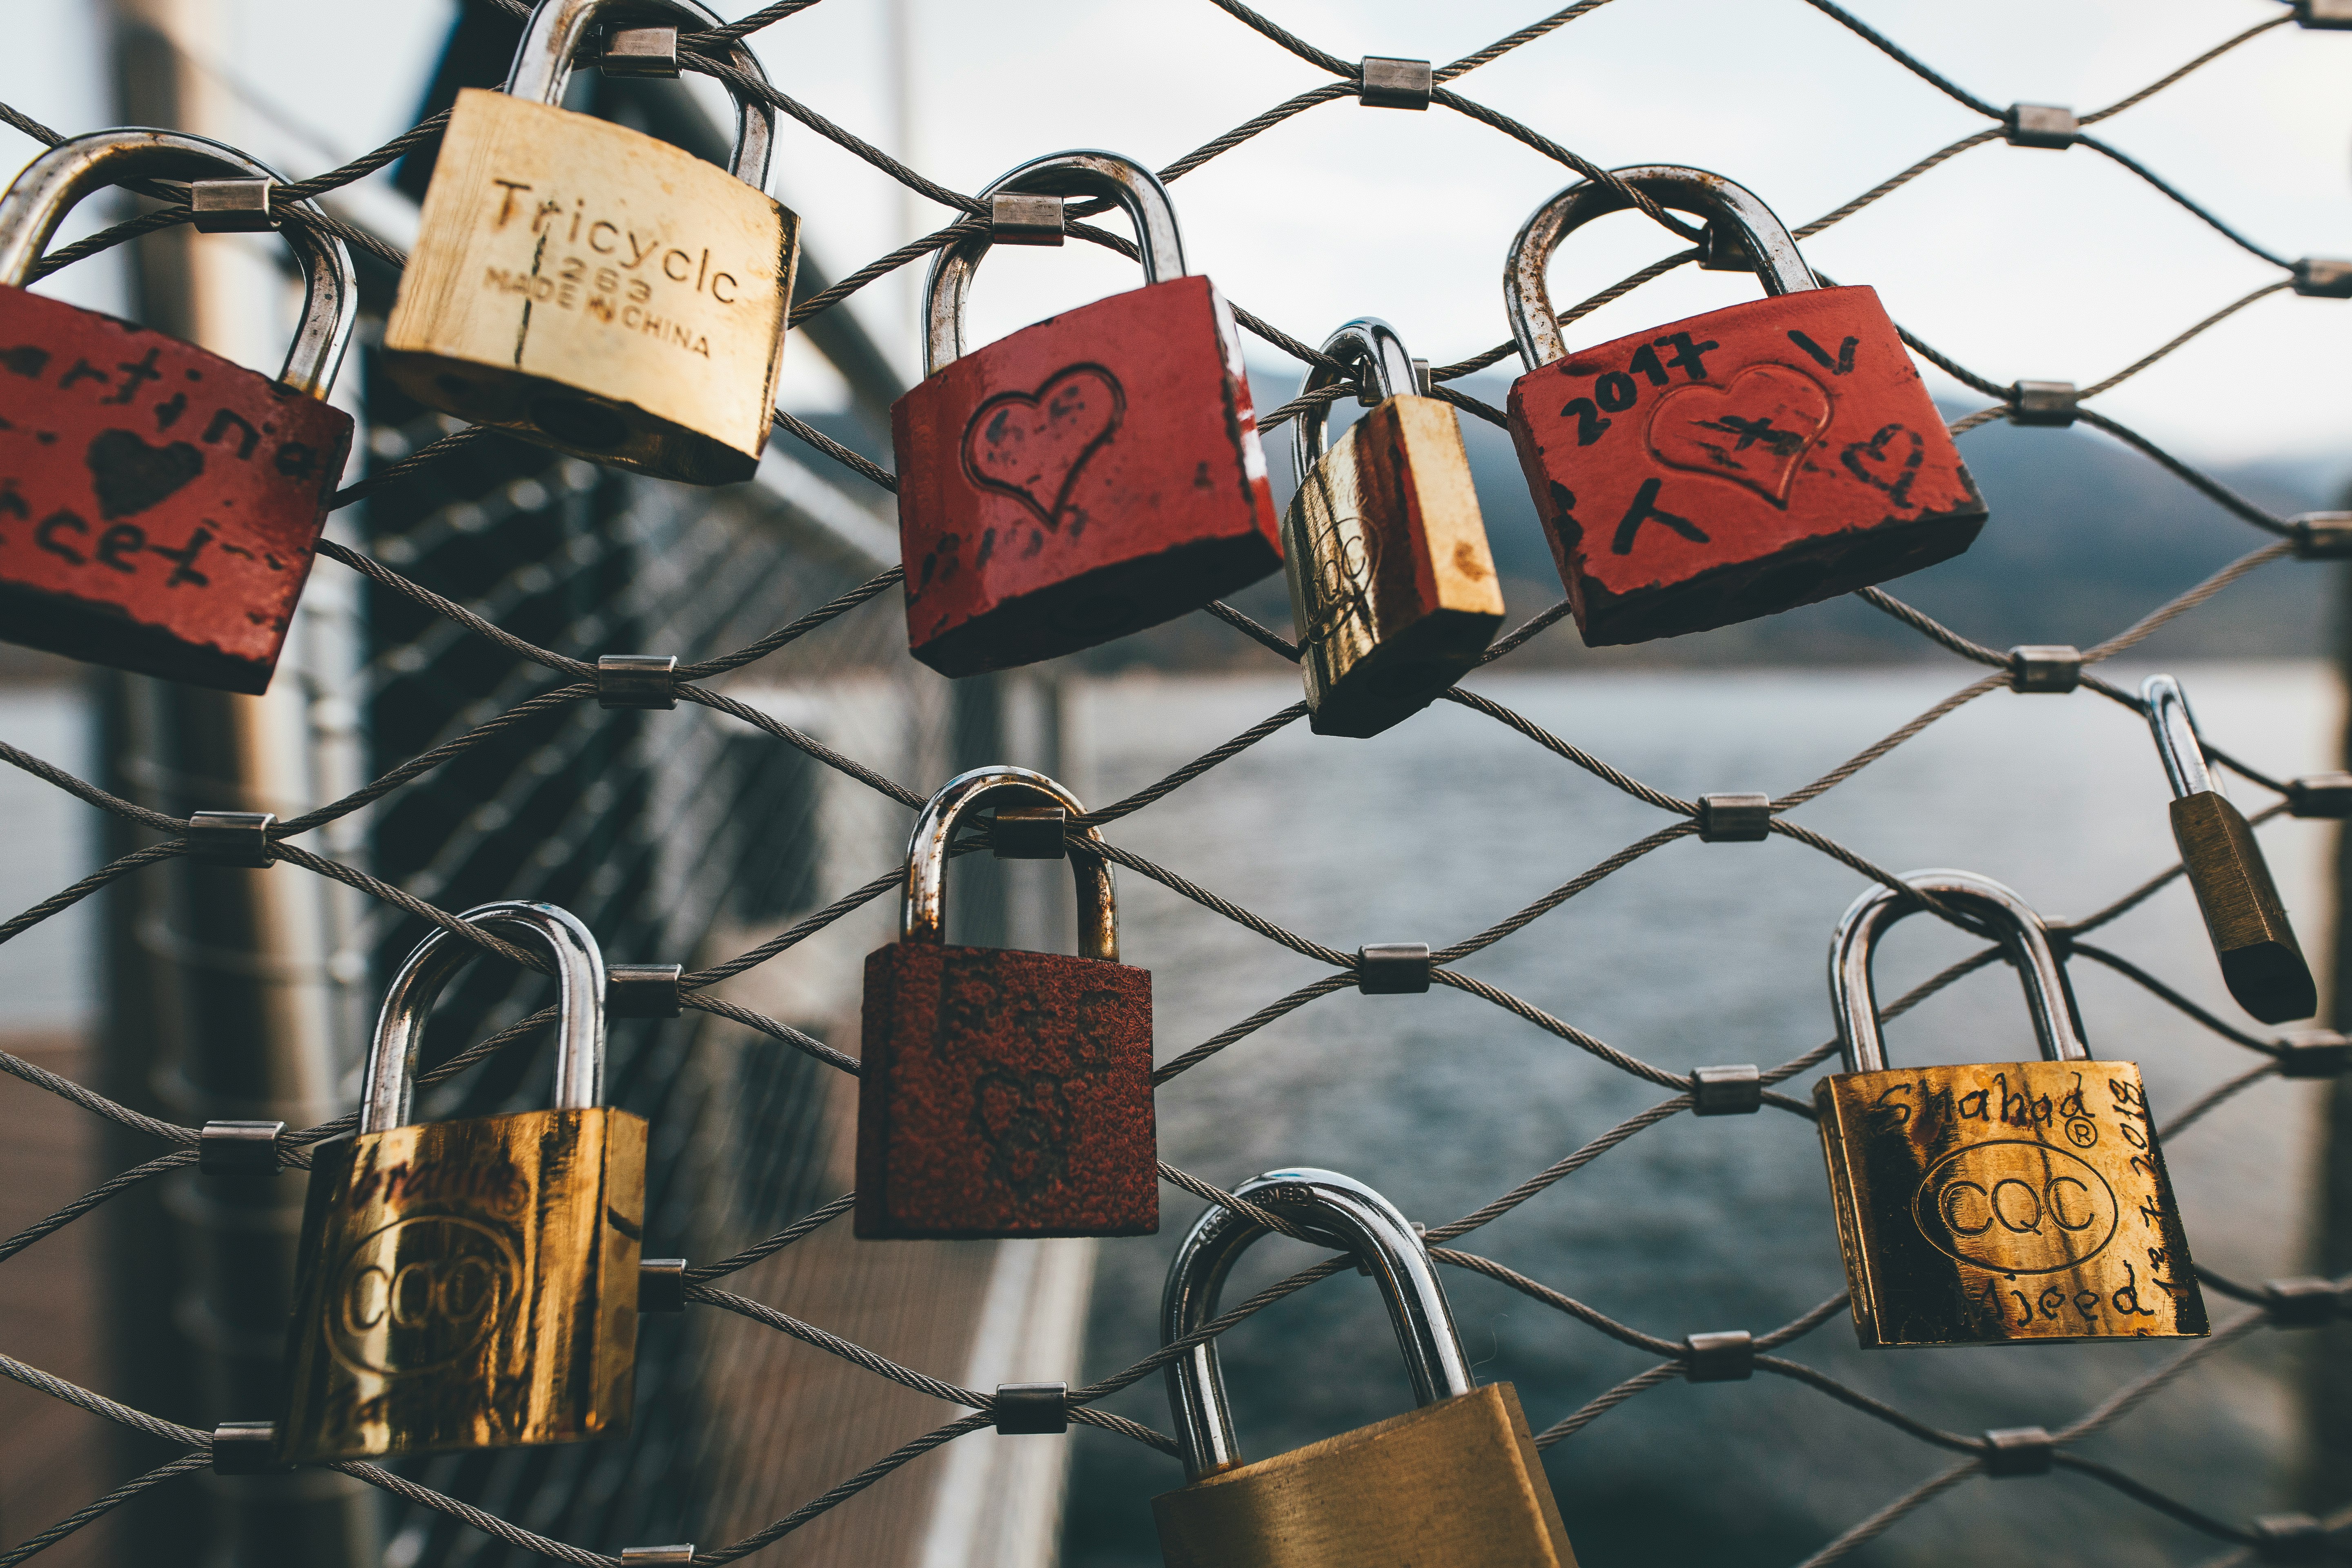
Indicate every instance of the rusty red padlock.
{"type": "Point", "coordinates": [159, 504]}
{"type": "Point", "coordinates": [1735, 464]}
{"type": "Point", "coordinates": [1089, 475]}
{"type": "Point", "coordinates": [1004, 1093]}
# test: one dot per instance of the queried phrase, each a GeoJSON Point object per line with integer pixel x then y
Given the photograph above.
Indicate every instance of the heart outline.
{"type": "Point", "coordinates": [1898, 493]}
{"type": "Point", "coordinates": [975, 429]}
{"type": "Point", "coordinates": [1789, 446]}
{"type": "Point", "coordinates": [129, 477]}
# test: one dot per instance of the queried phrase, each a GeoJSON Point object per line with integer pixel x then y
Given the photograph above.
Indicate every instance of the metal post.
{"type": "Point", "coordinates": [2328, 1397]}
{"type": "Point", "coordinates": [248, 980]}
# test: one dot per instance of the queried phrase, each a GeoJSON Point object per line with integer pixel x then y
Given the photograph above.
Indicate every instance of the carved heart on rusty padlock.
{"type": "Point", "coordinates": [1035, 445]}
{"type": "Point", "coordinates": [1753, 432]}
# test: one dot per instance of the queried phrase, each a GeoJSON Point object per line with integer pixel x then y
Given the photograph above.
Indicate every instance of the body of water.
{"type": "Point", "coordinates": [1697, 954]}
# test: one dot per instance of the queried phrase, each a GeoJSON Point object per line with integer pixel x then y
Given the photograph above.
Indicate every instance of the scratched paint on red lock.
{"type": "Point", "coordinates": [1089, 475]}
{"type": "Point", "coordinates": [1004, 1093]}
{"type": "Point", "coordinates": [159, 505]}
{"type": "Point", "coordinates": [1739, 463]}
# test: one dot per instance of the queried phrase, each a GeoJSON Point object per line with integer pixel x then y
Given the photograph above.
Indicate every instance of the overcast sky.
{"type": "Point", "coordinates": [2019, 263]}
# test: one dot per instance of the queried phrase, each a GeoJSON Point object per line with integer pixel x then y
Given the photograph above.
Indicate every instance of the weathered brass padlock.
{"type": "Point", "coordinates": [2001, 1204]}
{"type": "Point", "coordinates": [2262, 962]}
{"type": "Point", "coordinates": [471, 1284]}
{"type": "Point", "coordinates": [592, 289]}
{"type": "Point", "coordinates": [1455, 1483]}
{"type": "Point", "coordinates": [1393, 588]}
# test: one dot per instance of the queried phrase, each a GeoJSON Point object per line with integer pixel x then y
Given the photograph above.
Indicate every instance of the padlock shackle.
{"type": "Point", "coordinates": [391, 1074]}
{"type": "Point", "coordinates": [923, 903]}
{"type": "Point", "coordinates": [1367, 341]}
{"type": "Point", "coordinates": [1080, 172]}
{"type": "Point", "coordinates": [2177, 739]}
{"type": "Point", "coordinates": [558, 30]}
{"type": "Point", "coordinates": [1853, 999]}
{"type": "Point", "coordinates": [54, 184]}
{"type": "Point", "coordinates": [1527, 298]}
{"type": "Point", "coordinates": [1337, 1212]}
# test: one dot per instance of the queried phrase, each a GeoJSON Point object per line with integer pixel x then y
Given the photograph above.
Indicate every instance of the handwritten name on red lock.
{"type": "Point", "coordinates": [1086, 476]}
{"type": "Point", "coordinates": [1754, 459]}
{"type": "Point", "coordinates": [159, 505]}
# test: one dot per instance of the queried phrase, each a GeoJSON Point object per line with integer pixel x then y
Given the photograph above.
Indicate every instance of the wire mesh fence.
{"type": "Point", "coordinates": [496, 575]}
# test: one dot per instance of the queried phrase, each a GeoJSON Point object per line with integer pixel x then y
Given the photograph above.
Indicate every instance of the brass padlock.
{"type": "Point", "coordinates": [471, 1284]}
{"type": "Point", "coordinates": [2262, 962]}
{"type": "Point", "coordinates": [1999, 1203]}
{"type": "Point", "coordinates": [592, 289]}
{"type": "Point", "coordinates": [1393, 588]}
{"type": "Point", "coordinates": [1455, 1483]}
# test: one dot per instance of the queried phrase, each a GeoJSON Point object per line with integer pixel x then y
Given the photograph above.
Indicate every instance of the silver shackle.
{"type": "Point", "coordinates": [579, 1001]}
{"type": "Point", "coordinates": [1075, 173]}
{"type": "Point", "coordinates": [52, 184]}
{"type": "Point", "coordinates": [1367, 341]}
{"type": "Point", "coordinates": [1527, 299]}
{"type": "Point", "coordinates": [2176, 740]}
{"type": "Point", "coordinates": [558, 30]}
{"type": "Point", "coordinates": [922, 906]}
{"type": "Point", "coordinates": [1336, 1211]}
{"type": "Point", "coordinates": [1854, 1001]}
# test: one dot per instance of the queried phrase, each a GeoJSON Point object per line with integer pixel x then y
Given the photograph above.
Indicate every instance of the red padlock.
{"type": "Point", "coordinates": [1089, 475]}
{"type": "Point", "coordinates": [1736, 464]}
{"type": "Point", "coordinates": [1004, 1093]}
{"type": "Point", "coordinates": [159, 504]}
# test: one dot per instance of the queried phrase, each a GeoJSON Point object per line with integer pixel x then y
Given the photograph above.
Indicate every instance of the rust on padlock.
{"type": "Point", "coordinates": [1735, 464]}
{"type": "Point", "coordinates": [1004, 1093]}
{"type": "Point", "coordinates": [1086, 476]}
{"type": "Point", "coordinates": [159, 504]}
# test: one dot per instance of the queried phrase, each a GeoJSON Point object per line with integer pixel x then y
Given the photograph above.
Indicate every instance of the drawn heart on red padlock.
{"type": "Point", "coordinates": [129, 476]}
{"type": "Point", "coordinates": [1864, 458]}
{"type": "Point", "coordinates": [1035, 444]}
{"type": "Point", "coordinates": [1752, 430]}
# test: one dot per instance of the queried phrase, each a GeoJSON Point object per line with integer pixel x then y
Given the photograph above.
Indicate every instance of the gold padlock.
{"type": "Point", "coordinates": [1393, 588]}
{"type": "Point", "coordinates": [1455, 1483]}
{"type": "Point", "coordinates": [471, 1284]}
{"type": "Point", "coordinates": [590, 288]}
{"type": "Point", "coordinates": [2002, 1204]}
{"type": "Point", "coordinates": [2261, 963]}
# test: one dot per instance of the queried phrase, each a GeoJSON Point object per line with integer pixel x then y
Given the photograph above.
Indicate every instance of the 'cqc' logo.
{"type": "Point", "coordinates": [2016, 1207]}
{"type": "Point", "coordinates": [419, 1295]}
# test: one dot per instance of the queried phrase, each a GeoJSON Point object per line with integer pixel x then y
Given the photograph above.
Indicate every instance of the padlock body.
{"type": "Point", "coordinates": [1004, 1093]}
{"type": "Point", "coordinates": [1088, 476]}
{"type": "Point", "coordinates": [1392, 589]}
{"type": "Point", "coordinates": [159, 505]}
{"type": "Point", "coordinates": [2005, 1204]}
{"type": "Point", "coordinates": [596, 290]}
{"type": "Point", "coordinates": [1457, 1484]}
{"type": "Point", "coordinates": [468, 1285]}
{"type": "Point", "coordinates": [1737, 464]}
{"type": "Point", "coordinates": [2262, 962]}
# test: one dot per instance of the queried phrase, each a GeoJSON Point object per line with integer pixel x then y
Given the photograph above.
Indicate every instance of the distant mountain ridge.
{"type": "Point", "coordinates": [2086, 537]}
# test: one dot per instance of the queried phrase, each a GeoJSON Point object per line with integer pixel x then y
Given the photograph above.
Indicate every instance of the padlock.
{"type": "Point", "coordinates": [471, 1284]}
{"type": "Point", "coordinates": [1089, 475]}
{"type": "Point", "coordinates": [2002, 1204]}
{"type": "Point", "coordinates": [1392, 589]}
{"type": "Point", "coordinates": [2261, 963]}
{"type": "Point", "coordinates": [1735, 464]}
{"type": "Point", "coordinates": [1003, 1093]}
{"type": "Point", "coordinates": [159, 504]}
{"type": "Point", "coordinates": [1453, 1483]}
{"type": "Point", "coordinates": [590, 288]}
